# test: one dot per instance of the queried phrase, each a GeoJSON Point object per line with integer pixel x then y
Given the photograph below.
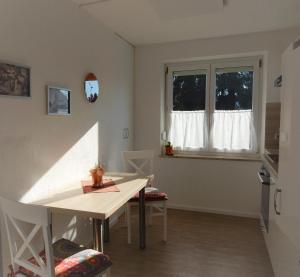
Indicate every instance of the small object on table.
{"type": "Point", "coordinates": [97, 174]}
{"type": "Point", "coordinates": [169, 149]}
{"type": "Point", "coordinates": [108, 185]}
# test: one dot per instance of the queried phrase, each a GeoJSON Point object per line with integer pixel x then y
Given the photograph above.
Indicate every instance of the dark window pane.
{"type": "Point", "coordinates": [234, 90]}
{"type": "Point", "coordinates": [189, 92]}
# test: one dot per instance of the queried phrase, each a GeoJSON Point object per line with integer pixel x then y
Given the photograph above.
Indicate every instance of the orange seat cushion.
{"type": "Point", "coordinates": [71, 260]}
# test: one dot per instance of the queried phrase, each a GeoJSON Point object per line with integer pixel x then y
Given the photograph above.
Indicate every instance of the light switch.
{"type": "Point", "coordinates": [125, 133]}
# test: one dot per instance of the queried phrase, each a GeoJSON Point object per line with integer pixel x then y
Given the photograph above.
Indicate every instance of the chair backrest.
{"type": "Point", "coordinates": [139, 161]}
{"type": "Point", "coordinates": [18, 219]}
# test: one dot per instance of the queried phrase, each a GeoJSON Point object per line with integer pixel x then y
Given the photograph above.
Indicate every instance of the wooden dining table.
{"type": "Point", "coordinates": [100, 206]}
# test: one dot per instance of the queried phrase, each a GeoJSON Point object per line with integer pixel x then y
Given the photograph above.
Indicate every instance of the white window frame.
{"type": "Point", "coordinates": [201, 67]}
{"type": "Point", "coordinates": [210, 66]}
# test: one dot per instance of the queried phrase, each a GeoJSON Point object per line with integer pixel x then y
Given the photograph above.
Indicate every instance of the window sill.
{"type": "Point", "coordinates": [216, 157]}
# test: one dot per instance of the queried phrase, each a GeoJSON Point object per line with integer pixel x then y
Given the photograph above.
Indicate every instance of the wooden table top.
{"type": "Point", "coordinates": [96, 205]}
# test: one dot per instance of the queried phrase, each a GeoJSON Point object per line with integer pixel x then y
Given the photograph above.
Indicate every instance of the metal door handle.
{"type": "Point", "coordinates": [277, 191]}
{"type": "Point", "coordinates": [265, 180]}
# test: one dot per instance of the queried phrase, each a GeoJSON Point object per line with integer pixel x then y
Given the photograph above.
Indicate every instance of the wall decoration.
{"type": "Point", "coordinates": [14, 80]}
{"type": "Point", "coordinates": [91, 87]}
{"type": "Point", "coordinates": [59, 100]}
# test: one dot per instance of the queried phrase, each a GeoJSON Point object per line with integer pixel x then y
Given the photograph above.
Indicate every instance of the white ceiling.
{"type": "Point", "coordinates": [158, 21]}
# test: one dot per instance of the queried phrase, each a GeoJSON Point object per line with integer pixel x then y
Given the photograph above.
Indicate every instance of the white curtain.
{"type": "Point", "coordinates": [188, 130]}
{"type": "Point", "coordinates": [232, 131]}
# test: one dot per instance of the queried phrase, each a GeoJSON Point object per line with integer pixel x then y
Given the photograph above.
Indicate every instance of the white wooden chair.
{"type": "Point", "coordinates": [141, 162]}
{"type": "Point", "coordinates": [28, 228]}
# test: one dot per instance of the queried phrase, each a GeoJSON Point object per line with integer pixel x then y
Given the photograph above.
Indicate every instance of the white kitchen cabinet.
{"type": "Point", "coordinates": [283, 253]}
{"type": "Point", "coordinates": [283, 239]}
{"type": "Point", "coordinates": [289, 166]}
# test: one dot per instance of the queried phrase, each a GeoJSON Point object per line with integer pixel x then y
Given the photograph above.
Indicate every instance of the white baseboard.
{"type": "Point", "coordinates": [213, 211]}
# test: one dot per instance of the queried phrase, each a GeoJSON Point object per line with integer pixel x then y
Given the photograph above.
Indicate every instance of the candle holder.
{"type": "Point", "coordinates": [97, 176]}
{"type": "Point", "coordinates": [169, 149]}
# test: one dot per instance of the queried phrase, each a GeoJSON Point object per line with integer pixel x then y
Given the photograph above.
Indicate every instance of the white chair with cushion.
{"type": "Point", "coordinates": [33, 254]}
{"type": "Point", "coordinates": [141, 162]}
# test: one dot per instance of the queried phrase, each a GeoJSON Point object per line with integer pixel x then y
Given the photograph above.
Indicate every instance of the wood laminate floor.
{"type": "Point", "coordinates": [199, 244]}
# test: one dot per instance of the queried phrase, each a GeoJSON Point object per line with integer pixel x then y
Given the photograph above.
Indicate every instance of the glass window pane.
{"type": "Point", "coordinates": [234, 88]}
{"type": "Point", "coordinates": [189, 91]}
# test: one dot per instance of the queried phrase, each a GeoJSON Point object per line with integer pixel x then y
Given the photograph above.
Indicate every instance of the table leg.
{"type": "Point", "coordinates": [97, 234]}
{"type": "Point", "coordinates": [51, 225]}
{"type": "Point", "coordinates": [106, 230]}
{"type": "Point", "coordinates": [142, 224]}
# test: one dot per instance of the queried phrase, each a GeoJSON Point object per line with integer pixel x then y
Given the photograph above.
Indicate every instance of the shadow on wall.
{"type": "Point", "coordinates": [72, 228]}
{"type": "Point", "coordinates": [73, 165]}
{"type": "Point", "coordinates": [32, 158]}
{"type": "Point", "coordinates": [34, 165]}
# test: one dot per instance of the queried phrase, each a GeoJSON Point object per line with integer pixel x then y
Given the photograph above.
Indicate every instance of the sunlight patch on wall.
{"type": "Point", "coordinates": [70, 228]}
{"type": "Point", "coordinates": [74, 165]}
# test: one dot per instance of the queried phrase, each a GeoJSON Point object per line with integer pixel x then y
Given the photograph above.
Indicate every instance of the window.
{"type": "Point", "coordinates": [213, 107]}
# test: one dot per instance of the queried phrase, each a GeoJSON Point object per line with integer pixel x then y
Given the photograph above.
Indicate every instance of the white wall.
{"type": "Point", "coordinates": [61, 44]}
{"type": "Point", "coordinates": [211, 185]}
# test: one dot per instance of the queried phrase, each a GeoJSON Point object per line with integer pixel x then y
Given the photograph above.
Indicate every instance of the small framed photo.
{"type": "Point", "coordinates": [14, 80]}
{"type": "Point", "coordinates": [59, 100]}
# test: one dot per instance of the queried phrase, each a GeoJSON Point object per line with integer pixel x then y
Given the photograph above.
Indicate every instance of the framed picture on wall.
{"type": "Point", "coordinates": [14, 80]}
{"type": "Point", "coordinates": [59, 100]}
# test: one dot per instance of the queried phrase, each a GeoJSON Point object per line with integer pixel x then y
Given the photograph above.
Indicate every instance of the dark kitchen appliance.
{"type": "Point", "coordinates": [264, 178]}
